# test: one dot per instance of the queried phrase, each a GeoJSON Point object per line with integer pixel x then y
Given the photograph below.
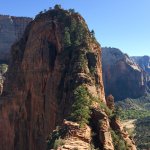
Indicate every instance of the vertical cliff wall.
{"type": "Point", "coordinates": [11, 30]}
{"type": "Point", "coordinates": [56, 54]}
{"type": "Point", "coordinates": [123, 78]}
{"type": "Point", "coordinates": [143, 62]}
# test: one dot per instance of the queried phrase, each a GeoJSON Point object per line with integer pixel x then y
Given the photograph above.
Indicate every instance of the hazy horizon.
{"type": "Point", "coordinates": [120, 24]}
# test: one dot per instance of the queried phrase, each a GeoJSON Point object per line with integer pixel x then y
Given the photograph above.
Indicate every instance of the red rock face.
{"type": "Point", "coordinates": [43, 74]}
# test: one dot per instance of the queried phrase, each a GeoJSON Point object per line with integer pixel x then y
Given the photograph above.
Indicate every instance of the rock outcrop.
{"type": "Point", "coordinates": [3, 70]}
{"type": "Point", "coordinates": [11, 30]}
{"type": "Point", "coordinates": [71, 137]}
{"type": "Point", "coordinates": [42, 76]}
{"type": "Point", "coordinates": [56, 55]}
{"type": "Point", "coordinates": [123, 78]}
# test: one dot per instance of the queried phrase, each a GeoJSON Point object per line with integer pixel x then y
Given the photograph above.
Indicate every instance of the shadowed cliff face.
{"type": "Point", "coordinates": [11, 30]}
{"type": "Point", "coordinates": [43, 73]}
{"type": "Point", "coordinates": [123, 78]}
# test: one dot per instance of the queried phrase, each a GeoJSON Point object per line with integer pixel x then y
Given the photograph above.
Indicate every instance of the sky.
{"type": "Point", "coordinates": [123, 24]}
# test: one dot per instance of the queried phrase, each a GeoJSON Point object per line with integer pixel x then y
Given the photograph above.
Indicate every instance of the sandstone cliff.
{"type": "Point", "coordinates": [143, 62]}
{"type": "Point", "coordinates": [123, 78]}
{"type": "Point", "coordinates": [56, 55]}
{"type": "Point", "coordinates": [42, 76]}
{"type": "Point", "coordinates": [11, 29]}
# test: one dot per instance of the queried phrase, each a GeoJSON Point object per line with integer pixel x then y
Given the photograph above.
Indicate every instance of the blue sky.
{"type": "Point", "coordinates": [124, 24]}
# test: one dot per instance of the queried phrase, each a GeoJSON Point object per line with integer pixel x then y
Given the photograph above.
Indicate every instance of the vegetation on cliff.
{"type": "Point", "coordinates": [142, 134]}
{"type": "Point", "coordinates": [57, 75]}
{"type": "Point", "coordinates": [139, 110]}
{"type": "Point", "coordinates": [81, 108]}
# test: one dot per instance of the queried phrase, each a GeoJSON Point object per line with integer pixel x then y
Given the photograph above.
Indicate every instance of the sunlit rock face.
{"type": "Point", "coordinates": [43, 73]}
{"type": "Point", "coordinates": [143, 62]}
{"type": "Point", "coordinates": [11, 30]}
{"type": "Point", "coordinates": [123, 78]}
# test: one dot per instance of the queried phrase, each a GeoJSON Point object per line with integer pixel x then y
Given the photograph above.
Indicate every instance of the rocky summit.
{"type": "Point", "coordinates": [123, 77]}
{"type": "Point", "coordinates": [11, 30]}
{"type": "Point", "coordinates": [55, 79]}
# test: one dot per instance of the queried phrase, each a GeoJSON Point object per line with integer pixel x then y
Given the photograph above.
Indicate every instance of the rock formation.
{"type": "Point", "coordinates": [56, 55]}
{"type": "Point", "coordinates": [74, 137]}
{"type": "Point", "coordinates": [3, 70]}
{"type": "Point", "coordinates": [11, 29]}
{"type": "Point", "coordinates": [123, 78]}
{"type": "Point", "coordinates": [143, 62]}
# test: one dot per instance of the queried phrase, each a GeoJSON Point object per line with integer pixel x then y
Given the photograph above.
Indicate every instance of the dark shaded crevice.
{"type": "Point", "coordinates": [52, 55]}
{"type": "Point", "coordinates": [91, 59]}
{"type": "Point", "coordinates": [28, 105]}
{"type": "Point", "coordinates": [95, 135]}
{"type": "Point", "coordinates": [44, 104]}
{"type": "Point", "coordinates": [63, 87]}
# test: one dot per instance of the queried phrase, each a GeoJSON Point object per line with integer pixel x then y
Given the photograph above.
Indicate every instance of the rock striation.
{"type": "Point", "coordinates": [123, 78]}
{"type": "Point", "coordinates": [11, 30]}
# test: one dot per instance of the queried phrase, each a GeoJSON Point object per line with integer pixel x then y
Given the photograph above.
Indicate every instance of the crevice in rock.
{"type": "Point", "coordinates": [95, 135]}
{"type": "Point", "coordinates": [52, 55]}
{"type": "Point", "coordinates": [28, 105]}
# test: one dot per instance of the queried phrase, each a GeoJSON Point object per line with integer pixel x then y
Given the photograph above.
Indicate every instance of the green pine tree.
{"type": "Point", "coordinates": [73, 25]}
{"type": "Point", "coordinates": [67, 41]}
{"type": "Point", "coordinates": [80, 34]}
{"type": "Point", "coordinates": [81, 107]}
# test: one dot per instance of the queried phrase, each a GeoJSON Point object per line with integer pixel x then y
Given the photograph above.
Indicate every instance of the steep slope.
{"type": "Point", "coordinates": [123, 78]}
{"type": "Point", "coordinates": [11, 29]}
{"type": "Point", "coordinates": [43, 74]}
{"type": "Point", "coordinates": [56, 72]}
{"type": "Point", "coordinates": [143, 62]}
{"type": "Point", "coordinates": [143, 136]}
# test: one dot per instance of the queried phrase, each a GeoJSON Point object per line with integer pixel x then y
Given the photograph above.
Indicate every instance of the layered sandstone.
{"type": "Point", "coordinates": [11, 30]}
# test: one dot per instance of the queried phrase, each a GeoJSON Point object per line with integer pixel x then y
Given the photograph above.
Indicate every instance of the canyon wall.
{"type": "Point", "coordinates": [123, 78]}
{"type": "Point", "coordinates": [143, 62]}
{"type": "Point", "coordinates": [11, 30]}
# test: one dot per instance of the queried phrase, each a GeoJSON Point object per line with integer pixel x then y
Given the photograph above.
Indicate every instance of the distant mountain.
{"type": "Point", "coordinates": [11, 30]}
{"type": "Point", "coordinates": [123, 78]}
{"type": "Point", "coordinates": [143, 62]}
